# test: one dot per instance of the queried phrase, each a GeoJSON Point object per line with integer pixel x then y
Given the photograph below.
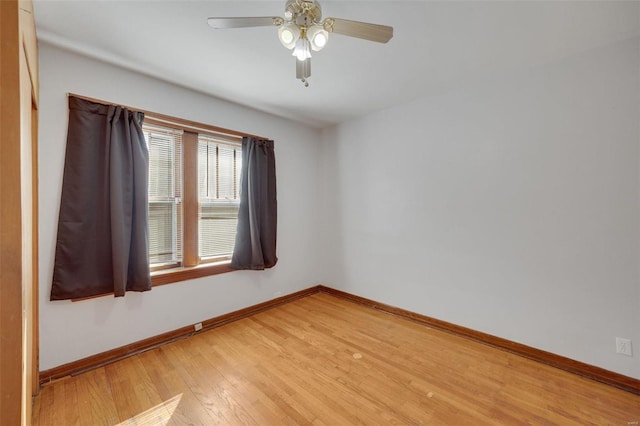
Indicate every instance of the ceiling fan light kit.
{"type": "Point", "coordinates": [303, 30]}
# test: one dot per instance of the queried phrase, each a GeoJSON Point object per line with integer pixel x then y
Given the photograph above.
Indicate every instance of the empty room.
{"type": "Point", "coordinates": [319, 212]}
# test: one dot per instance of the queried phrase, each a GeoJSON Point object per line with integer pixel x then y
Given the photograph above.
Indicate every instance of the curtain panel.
{"type": "Point", "coordinates": [255, 246]}
{"type": "Point", "coordinates": [102, 242]}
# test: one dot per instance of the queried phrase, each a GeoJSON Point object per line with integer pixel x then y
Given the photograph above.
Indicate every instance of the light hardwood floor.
{"type": "Point", "coordinates": [326, 361]}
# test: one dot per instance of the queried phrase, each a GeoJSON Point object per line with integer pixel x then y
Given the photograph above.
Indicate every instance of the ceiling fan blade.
{"type": "Point", "coordinates": [372, 32]}
{"type": "Point", "coordinates": [244, 22]}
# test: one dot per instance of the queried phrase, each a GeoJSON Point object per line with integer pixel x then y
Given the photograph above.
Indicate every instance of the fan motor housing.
{"type": "Point", "coordinates": [304, 12]}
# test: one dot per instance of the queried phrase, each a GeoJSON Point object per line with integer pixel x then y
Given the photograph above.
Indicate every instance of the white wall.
{"type": "Point", "coordinates": [70, 331]}
{"type": "Point", "coordinates": [510, 207]}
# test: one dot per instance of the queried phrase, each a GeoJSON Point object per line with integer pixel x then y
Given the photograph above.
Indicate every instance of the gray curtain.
{"type": "Point", "coordinates": [255, 246]}
{"type": "Point", "coordinates": [102, 243]}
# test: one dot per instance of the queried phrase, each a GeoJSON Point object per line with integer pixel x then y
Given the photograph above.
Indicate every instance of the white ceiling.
{"type": "Point", "coordinates": [436, 46]}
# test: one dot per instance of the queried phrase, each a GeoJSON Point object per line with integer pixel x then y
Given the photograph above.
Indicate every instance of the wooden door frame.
{"type": "Point", "coordinates": [18, 269]}
{"type": "Point", "coordinates": [30, 48]}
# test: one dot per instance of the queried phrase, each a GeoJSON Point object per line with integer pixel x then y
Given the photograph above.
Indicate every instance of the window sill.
{"type": "Point", "coordinates": [168, 276]}
{"type": "Point", "coordinates": [174, 275]}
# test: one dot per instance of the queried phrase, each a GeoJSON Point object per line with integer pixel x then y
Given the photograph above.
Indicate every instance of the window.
{"type": "Point", "coordinates": [194, 183]}
{"type": "Point", "coordinates": [218, 197]}
{"type": "Point", "coordinates": [165, 195]}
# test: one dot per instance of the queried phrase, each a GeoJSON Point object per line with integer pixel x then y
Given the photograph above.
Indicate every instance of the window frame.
{"type": "Point", "coordinates": [191, 266]}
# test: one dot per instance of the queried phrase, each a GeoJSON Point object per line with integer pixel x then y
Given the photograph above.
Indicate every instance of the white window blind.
{"type": "Point", "coordinates": [165, 195]}
{"type": "Point", "coordinates": [219, 164]}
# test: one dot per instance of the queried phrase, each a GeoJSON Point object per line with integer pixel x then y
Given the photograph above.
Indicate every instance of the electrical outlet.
{"type": "Point", "coordinates": [198, 326]}
{"type": "Point", "coordinates": [623, 346]}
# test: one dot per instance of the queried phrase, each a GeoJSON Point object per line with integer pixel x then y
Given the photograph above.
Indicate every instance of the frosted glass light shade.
{"type": "Point", "coordinates": [288, 34]}
{"type": "Point", "coordinates": [302, 49]}
{"type": "Point", "coordinates": [318, 37]}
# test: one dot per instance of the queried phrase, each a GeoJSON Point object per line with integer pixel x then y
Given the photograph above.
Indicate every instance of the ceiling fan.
{"type": "Point", "coordinates": [303, 30]}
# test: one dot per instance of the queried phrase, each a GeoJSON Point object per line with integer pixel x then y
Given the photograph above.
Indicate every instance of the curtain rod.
{"type": "Point", "coordinates": [187, 124]}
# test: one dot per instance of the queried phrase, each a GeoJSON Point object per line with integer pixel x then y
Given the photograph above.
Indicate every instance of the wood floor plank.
{"type": "Point", "coordinates": [94, 405]}
{"type": "Point", "coordinates": [169, 385]}
{"type": "Point", "coordinates": [212, 392]}
{"type": "Point", "coordinates": [322, 360]}
{"type": "Point", "coordinates": [133, 393]}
